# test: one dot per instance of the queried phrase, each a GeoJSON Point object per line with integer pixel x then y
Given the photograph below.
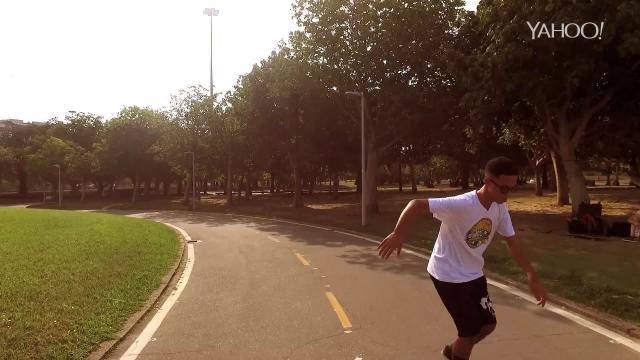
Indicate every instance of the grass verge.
{"type": "Point", "coordinates": [69, 280]}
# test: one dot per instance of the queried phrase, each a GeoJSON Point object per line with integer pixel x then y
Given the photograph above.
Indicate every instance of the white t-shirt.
{"type": "Point", "coordinates": [467, 229]}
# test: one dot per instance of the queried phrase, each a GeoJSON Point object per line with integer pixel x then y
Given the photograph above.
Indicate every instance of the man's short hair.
{"type": "Point", "coordinates": [500, 166]}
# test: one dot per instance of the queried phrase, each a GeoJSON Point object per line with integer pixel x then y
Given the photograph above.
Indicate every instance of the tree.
{"type": "Point", "coordinates": [81, 164]}
{"type": "Point", "coordinates": [192, 116]}
{"type": "Point", "coordinates": [575, 79]}
{"type": "Point", "coordinates": [6, 163]}
{"type": "Point", "coordinates": [83, 131]}
{"type": "Point", "coordinates": [129, 142]}
{"type": "Point", "coordinates": [52, 151]}
{"type": "Point", "coordinates": [385, 49]}
{"type": "Point", "coordinates": [20, 140]}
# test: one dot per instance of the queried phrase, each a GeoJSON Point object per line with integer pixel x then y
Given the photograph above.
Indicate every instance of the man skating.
{"type": "Point", "coordinates": [469, 222]}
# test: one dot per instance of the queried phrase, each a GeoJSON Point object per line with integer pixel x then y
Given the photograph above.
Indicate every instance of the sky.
{"type": "Point", "coordinates": [90, 56]}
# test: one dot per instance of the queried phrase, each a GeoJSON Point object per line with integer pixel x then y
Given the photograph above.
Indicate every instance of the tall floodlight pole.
{"type": "Point", "coordinates": [362, 141]}
{"type": "Point", "coordinates": [211, 12]}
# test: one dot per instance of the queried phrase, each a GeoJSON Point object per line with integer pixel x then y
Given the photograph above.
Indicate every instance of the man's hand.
{"type": "Point", "coordinates": [537, 289]}
{"type": "Point", "coordinates": [393, 242]}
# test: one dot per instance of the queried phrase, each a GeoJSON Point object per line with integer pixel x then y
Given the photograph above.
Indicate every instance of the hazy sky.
{"type": "Point", "coordinates": [91, 56]}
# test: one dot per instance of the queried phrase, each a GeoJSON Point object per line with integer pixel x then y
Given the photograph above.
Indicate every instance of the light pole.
{"type": "Point", "coordinates": [59, 185]}
{"type": "Point", "coordinates": [362, 177]}
{"type": "Point", "coordinates": [211, 12]}
{"type": "Point", "coordinates": [193, 179]}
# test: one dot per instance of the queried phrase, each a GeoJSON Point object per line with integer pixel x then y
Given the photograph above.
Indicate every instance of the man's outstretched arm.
{"type": "Point", "coordinates": [393, 242]}
{"type": "Point", "coordinates": [517, 253]}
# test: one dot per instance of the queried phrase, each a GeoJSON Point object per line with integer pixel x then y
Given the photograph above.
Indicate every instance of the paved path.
{"type": "Point", "coordinates": [261, 289]}
{"type": "Point", "coordinates": [17, 206]}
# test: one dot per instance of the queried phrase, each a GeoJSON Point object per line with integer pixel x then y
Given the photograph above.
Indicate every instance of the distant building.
{"type": "Point", "coordinates": [7, 124]}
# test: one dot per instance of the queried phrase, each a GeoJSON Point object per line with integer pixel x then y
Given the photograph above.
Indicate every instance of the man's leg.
{"type": "Point", "coordinates": [462, 346]}
{"type": "Point", "coordinates": [484, 332]}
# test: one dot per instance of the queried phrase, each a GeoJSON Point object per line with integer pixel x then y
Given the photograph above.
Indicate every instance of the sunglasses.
{"type": "Point", "coordinates": [505, 189]}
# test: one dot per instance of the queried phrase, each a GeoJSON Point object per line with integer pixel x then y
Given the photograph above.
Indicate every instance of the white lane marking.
{"type": "Point", "coordinates": [274, 239]}
{"type": "Point", "coordinates": [571, 316]}
{"type": "Point", "coordinates": [564, 313]}
{"type": "Point", "coordinates": [146, 335]}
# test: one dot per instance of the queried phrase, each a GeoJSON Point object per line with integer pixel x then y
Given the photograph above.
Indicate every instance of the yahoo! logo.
{"type": "Point", "coordinates": [588, 30]}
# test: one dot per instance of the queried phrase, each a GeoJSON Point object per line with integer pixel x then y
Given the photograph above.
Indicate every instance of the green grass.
{"type": "Point", "coordinates": [69, 280]}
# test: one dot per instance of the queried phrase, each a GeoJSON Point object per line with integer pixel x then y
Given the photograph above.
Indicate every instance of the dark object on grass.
{"type": "Point", "coordinates": [621, 229]}
{"type": "Point", "coordinates": [589, 221]}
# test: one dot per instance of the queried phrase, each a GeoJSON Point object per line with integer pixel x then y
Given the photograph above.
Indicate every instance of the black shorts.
{"type": "Point", "coordinates": [468, 303]}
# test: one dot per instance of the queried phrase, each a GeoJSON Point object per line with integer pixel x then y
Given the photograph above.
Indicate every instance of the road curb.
{"type": "Point", "coordinates": [108, 346]}
{"type": "Point", "coordinates": [610, 322]}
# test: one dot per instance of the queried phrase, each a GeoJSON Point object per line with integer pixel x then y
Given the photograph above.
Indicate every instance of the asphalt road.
{"type": "Point", "coordinates": [262, 289]}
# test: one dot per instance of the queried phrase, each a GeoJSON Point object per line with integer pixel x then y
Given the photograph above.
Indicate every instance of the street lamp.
{"type": "Point", "coordinates": [59, 185]}
{"type": "Point", "coordinates": [193, 178]}
{"type": "Point", "coordinates": [362, 177]}
{"type": "Point", "coordinates": [211, 12]}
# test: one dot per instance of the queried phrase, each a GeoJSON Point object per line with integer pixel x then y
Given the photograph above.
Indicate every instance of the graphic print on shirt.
{"type": "Point", "coordinates": [479, 233]}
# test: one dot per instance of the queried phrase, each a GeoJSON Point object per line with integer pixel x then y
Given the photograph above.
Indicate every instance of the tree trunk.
{"type": "Point", "coordinates": [428, 177]}
{"type": "Point", "coordinates": [147, 188]}
{"type": "Point", "coordinates": [565, 131]}
{"type": "Point", "coordinates": [336, 185]}
{"type": "Point", "coordinates": [466, 169]}
{"type": "Point", "coordinates": [545, 175]}
{"type": "Point", "coordinates": [249, 191]}
{"type": "Point", "coordinates": [23, 188]}
{"type": "Point", "coordinates": [82, 189]}
{"type": "Point", "coordinates": [240, 183]}
{"type": "Point", "coordinates": [552, 175]}
{"type": "Point", "coordinates": [272, 183]}
{"type": "Point", "coordinates": [399, 175]}
{"type": "Point", "coordinates": [562, 187]}
{"type": "Point", "coordinates": [298, 201]}
{"type": "Point", "coordinates": [412, 169]}
{"type": "Point", "coordinates": [575, 178]}
{"type": "Point", "coordinates": [538, 177]}
{"type": "Point", "coordinates": [359, 181]}
{"type": "Point", "coordinates": [135, 189]}
{"type": "Point", "coordinates": [229, 187]}
{"type": "Point", "coordinates": [100, 186]}
{"type": "Point", "coordinates": [531, 159]}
